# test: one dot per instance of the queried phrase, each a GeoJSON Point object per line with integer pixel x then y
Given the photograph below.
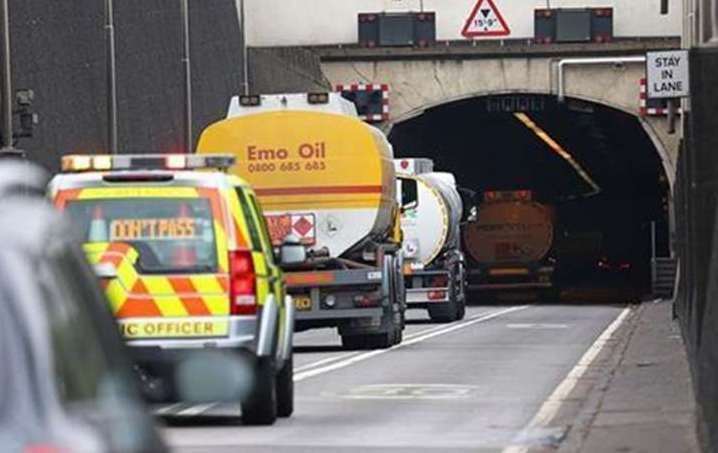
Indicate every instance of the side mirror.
{"type": "Point", "coordinates": [468, 201]}
{"type": "Point", "coordinates": [105, 270]}
{"type": "Point", "coordinates": [292, 251]}
{"type": "Point", "coordinates": [409, 194]}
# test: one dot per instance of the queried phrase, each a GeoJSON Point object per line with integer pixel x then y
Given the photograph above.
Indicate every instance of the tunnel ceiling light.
{"type": "Point", "coordinates": [558, 149]}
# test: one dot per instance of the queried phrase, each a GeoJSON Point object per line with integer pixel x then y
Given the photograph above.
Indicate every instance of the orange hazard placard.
{"type": "Point", "coordinates": [279, 227]}
{"type": "Point", "coordinates": [485, 21]}
{"type": "Point", "coordinates": [301, 225]}
{"type": "Point", "coordinates": [138, 229]}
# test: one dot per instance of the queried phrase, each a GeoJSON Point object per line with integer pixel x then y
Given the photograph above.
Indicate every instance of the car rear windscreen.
{"type": "Point", "coordinates": [171, 235]}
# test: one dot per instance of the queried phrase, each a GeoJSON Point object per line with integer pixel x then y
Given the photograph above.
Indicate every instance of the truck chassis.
{"type": "Point", "coordinates": [440, 289]}
{"type": "Point", "coordinates": [364, 302]}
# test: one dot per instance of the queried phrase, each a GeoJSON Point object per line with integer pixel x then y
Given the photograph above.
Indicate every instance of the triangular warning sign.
{"type": "Point", "coordinates": [485, 20]}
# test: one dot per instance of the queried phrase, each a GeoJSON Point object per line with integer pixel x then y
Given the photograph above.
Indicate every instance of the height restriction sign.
{"type": "Point", "coordinates": [485, 20]}
{"type": "Point", "coordinates": [667, 74]}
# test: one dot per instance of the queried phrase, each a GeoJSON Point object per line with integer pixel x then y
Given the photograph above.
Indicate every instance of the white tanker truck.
{"type": "Point", "coordinates": [433, 261]}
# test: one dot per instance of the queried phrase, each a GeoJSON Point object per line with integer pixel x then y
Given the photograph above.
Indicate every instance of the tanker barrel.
{"type": "Point", "coordinates": [445, 184]}
{"type": "Point", "coordinates": [432, 226]}
{"type": "Point", "coordinates": [517, 231]}
{"type": "Point", "coordinates": [327, 177]}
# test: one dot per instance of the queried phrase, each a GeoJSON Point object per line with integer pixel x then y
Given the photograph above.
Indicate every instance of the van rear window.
{"type": "Point", "coordinates": [171, 235]}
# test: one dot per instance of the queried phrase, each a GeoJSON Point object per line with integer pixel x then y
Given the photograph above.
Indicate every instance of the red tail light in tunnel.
{"type": "Point", "coordinates": [242, 297]}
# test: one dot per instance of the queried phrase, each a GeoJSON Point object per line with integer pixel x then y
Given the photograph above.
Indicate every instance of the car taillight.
{"type": "Point", "coordinates": [242, 297]}
{"type": "Point", "coordinates": [43, 448]}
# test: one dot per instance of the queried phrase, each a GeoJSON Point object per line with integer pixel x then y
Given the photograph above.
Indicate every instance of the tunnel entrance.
{"type": "Point", "coordinates": [594, 165]}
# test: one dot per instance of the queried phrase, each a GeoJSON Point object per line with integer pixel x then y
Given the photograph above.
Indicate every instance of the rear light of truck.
{"type": "Point", "coordinates": [242, 296]}
{"type": "Point", "coordinates": [363, 301]}
{"type": "Point", "coordinates": [437, 295]}
{"type": "Point", "coordinates": [439, 281]}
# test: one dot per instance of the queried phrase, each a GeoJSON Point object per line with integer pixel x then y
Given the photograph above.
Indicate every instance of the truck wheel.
{"type": "Point", "coordinates": [460, 303]}
{"type": "Point", "coordinates": [552, 296]}
{"type": "Point", "coordinates": [259, 407]}
{"type": "Point", "coordinates": [461, 310]}
{"type": "Point", "coordinates": [285, 388]}
{"type": "Point", "coordinates": [447, 312]}
{"type": "Point", "coordinates": [399, 329]}
{"type": "Point", "coordinates": [353, 342]}
{"type": "Point", "coordinates": [398, 316]}
{"type": "Point", "coordinates": [443, 314]}
{"type": "Point", "coordinates": [381, 340]}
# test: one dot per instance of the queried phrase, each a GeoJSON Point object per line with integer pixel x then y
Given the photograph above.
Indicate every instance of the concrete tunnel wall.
{"type": "Point", "coordinates": [416, 85]}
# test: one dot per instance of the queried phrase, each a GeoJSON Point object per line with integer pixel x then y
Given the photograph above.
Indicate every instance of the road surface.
{"type": "Point", "coordinates": [474, 385]}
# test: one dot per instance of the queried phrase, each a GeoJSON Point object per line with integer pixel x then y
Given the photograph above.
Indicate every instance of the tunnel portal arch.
{"type": "Point", "coordinates": [665, 154]}
{"type": "Point", "coordinates": [510, 140]}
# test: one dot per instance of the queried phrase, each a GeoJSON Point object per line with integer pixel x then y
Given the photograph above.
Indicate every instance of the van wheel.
{"type": "Point", "coordinates": [285, 388]}
{"type": "Point", "coordinates": [259, 406]}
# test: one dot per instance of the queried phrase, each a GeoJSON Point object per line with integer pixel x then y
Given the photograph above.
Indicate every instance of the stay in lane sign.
{"type": "Point", "coordinates": [667, 74]}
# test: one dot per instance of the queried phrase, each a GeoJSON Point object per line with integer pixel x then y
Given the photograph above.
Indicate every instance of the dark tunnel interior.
{"type": "Point", "coordinates": [595, 165]}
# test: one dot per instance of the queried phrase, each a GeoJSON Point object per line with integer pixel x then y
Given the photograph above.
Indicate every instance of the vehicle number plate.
{"type": "Point", "coordinates": [302, 303]}
{"type": "Point", "coordinates": [374, 276]}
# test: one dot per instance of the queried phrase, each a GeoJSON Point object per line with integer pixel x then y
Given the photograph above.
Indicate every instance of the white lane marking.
{"type": "Point", "coordinates": [168, 408]}
{"type": "Point", "coordinates": [324, 361]}
{"type": "Point", "coordinates": [410, 392]}
{"type": "Point", "coordinates": [197, 409]}
{"type": "Point", "coordinates": [537, 326]}
{"type": "Point", "coordinates": [350, 354]}
{"type": "Point", "coordinates": [553, 403]}
{"type": "Point", "coordinates": [367, 355]}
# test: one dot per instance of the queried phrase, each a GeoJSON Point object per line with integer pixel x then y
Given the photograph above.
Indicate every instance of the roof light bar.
{"type": "Point", "coordinates": [176, 161]}
{"type": "Point", "coordinates": [250, 100]}
{"type": "Point", "coordinates": [105, 162]}
{"type": "Point", "coordinates": [318, 98]}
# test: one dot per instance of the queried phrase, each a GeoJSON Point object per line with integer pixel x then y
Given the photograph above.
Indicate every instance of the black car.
{"type": "Point", "coordinates": [66, 384]}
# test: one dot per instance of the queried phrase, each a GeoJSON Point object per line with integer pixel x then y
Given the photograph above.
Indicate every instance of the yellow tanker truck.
{"type": "Point", "coordinates": [325, 179]}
